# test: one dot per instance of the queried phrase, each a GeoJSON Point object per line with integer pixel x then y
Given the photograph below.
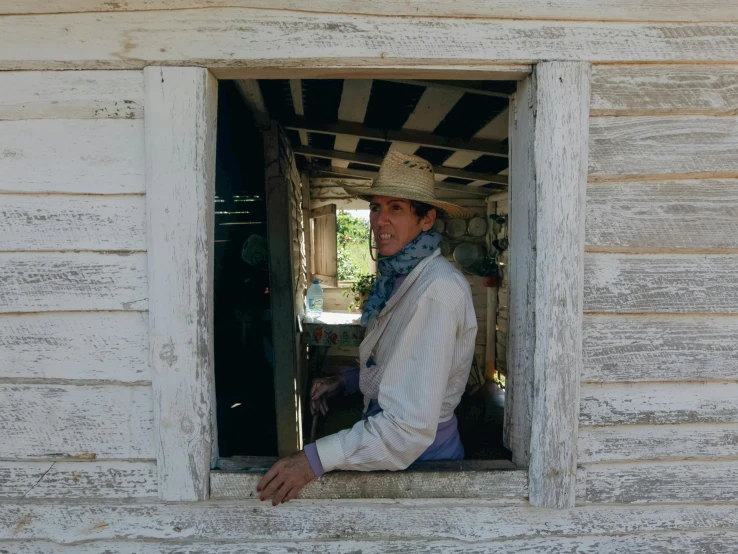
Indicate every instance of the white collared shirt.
{"type": "Point", "coordinates": [423, 341]}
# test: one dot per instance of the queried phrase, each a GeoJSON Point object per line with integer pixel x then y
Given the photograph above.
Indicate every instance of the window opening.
{"type": "Point", "coordinates": [338, 131]}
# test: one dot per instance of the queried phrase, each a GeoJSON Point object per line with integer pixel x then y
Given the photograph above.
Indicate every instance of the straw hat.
{"type": "Point", "coordinates": [409, 177]}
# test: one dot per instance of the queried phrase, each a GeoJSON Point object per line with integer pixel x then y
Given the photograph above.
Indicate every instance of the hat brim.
{"type": "Point", "coordinates": [448, 210]}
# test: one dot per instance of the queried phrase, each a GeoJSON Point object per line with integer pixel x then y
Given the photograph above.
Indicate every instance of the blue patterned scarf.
{"type": "Point", "coordinates": [401, 263]}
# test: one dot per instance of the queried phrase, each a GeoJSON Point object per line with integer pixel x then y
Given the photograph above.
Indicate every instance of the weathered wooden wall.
{"type": "Point", "coordinates": [76, 415]}
{"type": "Point", "coordinates": [658, 418]}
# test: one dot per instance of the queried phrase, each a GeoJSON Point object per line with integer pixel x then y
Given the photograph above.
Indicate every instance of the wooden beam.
{"type": "Point", "coordinates": [180, 127]}
{"type": "Point", "coordinates": [452, 86]}
{"type": "Point", "coordinates": [560, 161]}
{"type": "Point", "coordinates": [422, 138]}
{"type": "Point", "coordinates": [215, 37]}
{"type": "Point", "coordinates": [432, 107]}
{"type": "Point", "coordinates": [299, 106]}
{"type": "Point", "coordinates": [251, 93]}
{"type": "Point", "coordinates": [368, 159]}
{"type": "Point", "coordinates": [354, 101]}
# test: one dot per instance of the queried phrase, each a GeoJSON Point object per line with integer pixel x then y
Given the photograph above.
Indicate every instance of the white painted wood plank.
{"type": "Point", "coordinates": [110, 421]}
{"type": "Point", "coordinates": [560, 151]}
{"type": "Point", "coordinates": [71, 95]}
{"type": "Point", "coordinates": [99, 156]}
{"type": "Point", "coordinates": [215, 38]}
{"type": "Point", "coordinates": [659, 403]}
{"type": "Point", "coordinates": [654, 442]}
{"type": "Point", "coordinates": [109, 479]}
{"type": "Point", "coordinates": [181, 107]}
{"type": "Point", "coordinates": [40, 282]}
{"type": "Point", "coordinates": [522, 268]}
{"type": "Point", "coordinates": [663, 145]}
{"type": "Point", "coordinates": [695, 542]}
{"type": "Point", "coordinates": [599, 10]}
{"type": "Point", "coordinates": [82, 345]}
{"type": "Point", "coordinates": [663, 214]}
{"type": "Point", "coordinates": [497, 129]}
{"type": "Point", "coordinates": [71, 222]}
{"type": "Point", "coordinates": [490, 485]}
{"type": "Point", "coordinates": [659, 348]}
{"type": "Point", "coordinates": [663, 482]}
{"type": "Point", "coordinates": [672, 283]}
{"type": "Point", "coordinates": [644, 89]}
{"type": "Point", "coordinates": [354, 100]}
{"type": "Point", "coordinates": [472, 521]}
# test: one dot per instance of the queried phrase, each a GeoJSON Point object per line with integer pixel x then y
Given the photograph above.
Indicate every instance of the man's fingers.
{"type": "Point", "coordinates": [323, 406]}
{"type": "Point", "coordinates": [279, 495]}
{"type": "Point", "coordinates": [268, 476]}
{"type": "Point", "coordinates": [272, 484]}
{"type": "Point", "coordinates": [291, 494]}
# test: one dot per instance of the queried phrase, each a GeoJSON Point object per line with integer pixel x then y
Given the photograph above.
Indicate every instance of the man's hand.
{"type": "Point", "coordinates": [322, 388]}
{"type": "Point", "coordinates": [286, 478]}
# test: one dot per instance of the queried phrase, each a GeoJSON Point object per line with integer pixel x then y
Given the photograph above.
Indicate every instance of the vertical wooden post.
{"type": "Point", "coordinates": [180, 131]}
{"type": "Point", "coordinates": [560, 151]}
{"type": "Point", "coordinates": [522, 272]}
{"type": "Point", "coordinates": [282, 291]}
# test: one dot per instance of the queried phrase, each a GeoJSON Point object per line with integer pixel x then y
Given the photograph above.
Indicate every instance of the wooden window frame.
{"type": "Point", "coordinates": [548, 173]}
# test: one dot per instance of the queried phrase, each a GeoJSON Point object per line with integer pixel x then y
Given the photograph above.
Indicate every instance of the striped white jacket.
{"type": "Point", "coordinates": [423, 345]}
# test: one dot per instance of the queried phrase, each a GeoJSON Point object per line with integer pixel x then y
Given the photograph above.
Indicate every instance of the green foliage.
{"type": "Point", "coordinates": [360, 290]}
{"type": "Point", "coordinates": [353, 246]}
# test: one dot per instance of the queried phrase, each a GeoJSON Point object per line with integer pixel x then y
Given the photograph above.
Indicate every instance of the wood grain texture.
{"type": "Point", "coordinates": [653, 89]}
{"type": "Point", "coordinates": [662, 145]}
{"type": "Point", "coordinates": [659, 403]}
{"type": "Point", "coordinates": [560, 151]}
{"type": "Point", "coordinates": [633, 10]}
{"type": "Point", "coordinates": [71, 95]}
{"type": "Point", "coordinates": [659, 348]}
{"type": "Point", "coordinates": [468, 521]}
{"type": "Point", "coordinates": [668, 283]}
{"type": "Point", "coordinates": [181, 108]}
{"type": "Point", "coordinates": [241, 38]}
{"type": "Point", "coordinates": [502, 485]}
{"type": "Point", "coordinates": [98, 156]}
{"type": "Point", "coordinates": [110, 479]}
{"type": "Point", "coordinates": [662, 482]}
{"type": "Point", "coordinates": [663, 214]}
{"type": "Point", "coordinates": [39, 282]}
{"type": "Point", "coordinates": [111, 421]}
{"type": "Point", "coordinates": [654, 442]}
{"type": "Point", "coordinates": [522, 272]}
{"type": "Point", "coordinates": [695, 542]}
{"type": "Point", "coordinates": [81, 345]}
{"type": "Point", "coordinates": [66, 222]}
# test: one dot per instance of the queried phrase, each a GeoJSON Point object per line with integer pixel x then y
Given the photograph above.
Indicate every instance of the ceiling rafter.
{"type": "Point", "coordinates": [251, 93]}
{"type": "Point", "coordinates": [354, 101]}
{"type": "Point", "coordinates": [423, 138]}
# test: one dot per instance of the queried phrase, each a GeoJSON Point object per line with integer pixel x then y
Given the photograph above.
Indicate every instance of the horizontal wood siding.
{"type": "Point", "coordinates": [659, 403]}
{"type": "Point", "coordinates": [663, 145]}
{"type": "Point", "coordinates": [666, 283]}
{"type": "Point", "coordinates": [664, 89]}
{"type": "Point", "coordinates": [72, 222]}
{"type": "Point", "coordinates": [658, 419]}
{"type": "Point", "coordinates": [695, 214]}
{"type": "Point", "coordinates": [663, 482]}
{"type": "Point", "coordinates": [600, 10]}
{"type": "Point", "coordinates": [658, 442]}
{"type": "Point", "coordinates": [76, 417]}
{"type": "Point", "coordinates": [91, 156]}
{"type": "Point", "coordinates": [242, 37]}
{"type": "Point", "coordinates": [621, 348]}
{"type": "Point", "coordinates": [38, 282]}
{"type": "Point", "coordinates": [469, 524]}
{"type": "Point", "coordinates": [75, 345]}
{"type": "Point", "coordinates": [78, 479]}
{"type": "Point", "coordinates": [103, 421]}
{"type": "Point", "coordinates": [71, 95]}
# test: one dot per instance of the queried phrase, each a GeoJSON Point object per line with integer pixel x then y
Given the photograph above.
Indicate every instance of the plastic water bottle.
{"type": "Point", "coordinates": [314, 300]}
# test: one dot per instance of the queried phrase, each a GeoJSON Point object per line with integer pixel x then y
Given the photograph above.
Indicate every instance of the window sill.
{"type": "Point", "coordinates": [497, 480]}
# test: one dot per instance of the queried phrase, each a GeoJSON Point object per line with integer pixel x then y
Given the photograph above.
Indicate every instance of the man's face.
{"type": "Point", "coordinates": [395, 224]}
